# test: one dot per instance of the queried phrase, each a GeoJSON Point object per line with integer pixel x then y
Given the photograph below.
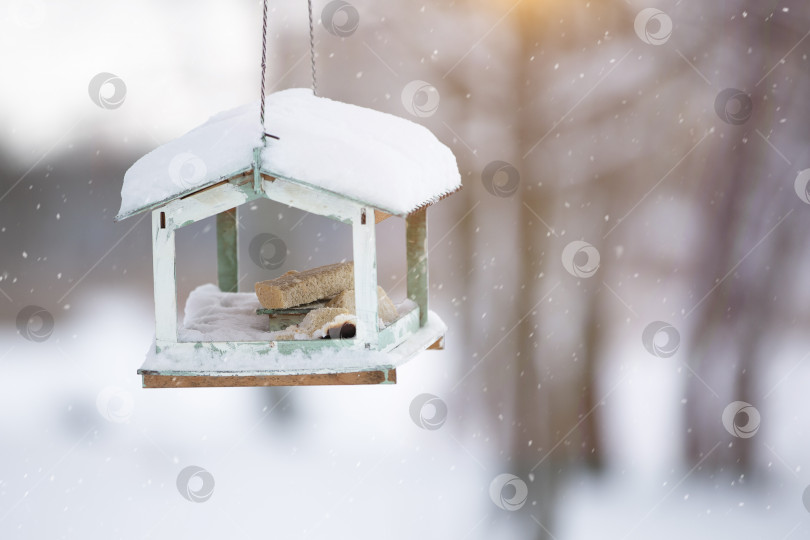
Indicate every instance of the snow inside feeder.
{"type": "Point", "coordinates": [349, 163]}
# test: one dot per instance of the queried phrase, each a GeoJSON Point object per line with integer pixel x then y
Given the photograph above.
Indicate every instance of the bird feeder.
{"type": "Point", "coordinates": [350, 164]}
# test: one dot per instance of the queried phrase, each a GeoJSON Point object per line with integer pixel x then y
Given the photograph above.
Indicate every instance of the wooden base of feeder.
{"type": "Point", "coordinates": [156, 380]}
{"type": "Point", "coordinates": [428, 337]}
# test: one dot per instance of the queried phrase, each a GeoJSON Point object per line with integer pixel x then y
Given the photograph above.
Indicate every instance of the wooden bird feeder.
{"type": "Point", "coordinates": [324, 157]}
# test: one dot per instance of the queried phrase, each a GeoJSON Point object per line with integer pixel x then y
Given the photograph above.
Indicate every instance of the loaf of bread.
{"type": "Point", "coordinates": [297, 288]}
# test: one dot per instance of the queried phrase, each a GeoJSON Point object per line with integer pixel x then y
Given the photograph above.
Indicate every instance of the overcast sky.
{"type": "Point", "coordinates": [181, 62]}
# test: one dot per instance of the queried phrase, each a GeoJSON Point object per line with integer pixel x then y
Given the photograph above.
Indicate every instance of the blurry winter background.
{"type": "Point", "coordinates": [624, 275]}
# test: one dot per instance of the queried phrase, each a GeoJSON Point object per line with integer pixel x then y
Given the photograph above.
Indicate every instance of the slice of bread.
{"type": "Point", "coordinates": [296, 288]}
{"type": "Point", "coordinates": [386, 310]}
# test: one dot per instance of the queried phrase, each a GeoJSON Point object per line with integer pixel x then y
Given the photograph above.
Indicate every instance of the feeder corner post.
{"type": "Point", "coordinates": [164, 269]}
{"type": "Point", "coordinates": [364, 247]}
{"type": "Point", "coordinates": [417, 253]}
{"type": "Point", "coordinates": [227, 253]}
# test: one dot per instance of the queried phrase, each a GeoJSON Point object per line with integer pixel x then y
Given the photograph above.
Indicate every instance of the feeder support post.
{"type": "Point", "coordinates": [364, 246]}
{"type": "Point", "coordinates": [416, 245]}
{"type": "Point", "coordinates": [227, 254]}
{"type": "Point", "coordinates": [163, 266]}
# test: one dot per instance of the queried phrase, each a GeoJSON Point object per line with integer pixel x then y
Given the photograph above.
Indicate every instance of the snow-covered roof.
{"type": "Point", "coordinates": [375, 158]}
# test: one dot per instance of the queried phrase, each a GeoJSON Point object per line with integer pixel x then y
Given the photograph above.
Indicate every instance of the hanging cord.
{"type": "Point", "coordinates": [257, 152]}
{"type": "Point", "coordinates": [264, 68]}
{"type": "Point", "coordinates": [312, 48]}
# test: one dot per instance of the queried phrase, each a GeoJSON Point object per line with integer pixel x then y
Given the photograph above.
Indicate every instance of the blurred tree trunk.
{"type": "Point", "coordinates": [736, 317]}
{"type": "Point", "coordinates": [591, 451]}
{"type": "Point", "coordinates": [531, 437]}
{"type": "Point", "coordinates": [709, 338]}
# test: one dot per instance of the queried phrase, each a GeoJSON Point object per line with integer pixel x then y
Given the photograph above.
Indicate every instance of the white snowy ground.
{"type": "Point", "coordinates": [350, 463]}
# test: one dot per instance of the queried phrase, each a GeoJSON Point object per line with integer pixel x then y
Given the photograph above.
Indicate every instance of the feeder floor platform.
{"type": "Point", "coordinates": [278, 363]}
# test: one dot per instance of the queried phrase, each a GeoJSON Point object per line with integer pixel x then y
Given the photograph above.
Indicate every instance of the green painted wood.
{"type": "Point", "coordinates": [163, 267]}
{"type": "Point", "coordinates": [419, 340]}
{"type": "Point", "coordinates": [185, 193]}
{"type": "Point", "coordinates": [364, 249]}
{"type": "Point", "coordinates": [207, 203]}
{"type": "Point", "coordinates": [227, 260]}
{"type": "Point", "coordinates": [392, 336]}
{"type": "Point", "coordinates": [398, 331]}
{"type": "Point", "coordinates": [260, 348]}
{"type": "Point", "coordinates": [311, 199]}
{"type": "Point", "coordinates": [416, 340]}
{"type": "Point", "coordinates": [336, 200]}
{"type": "Point", "coordinates": [256, 187]}
{"type": "Point", "coordinates": [257, 170]}
{"type": "Point", "coordinates": [417, 255]}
